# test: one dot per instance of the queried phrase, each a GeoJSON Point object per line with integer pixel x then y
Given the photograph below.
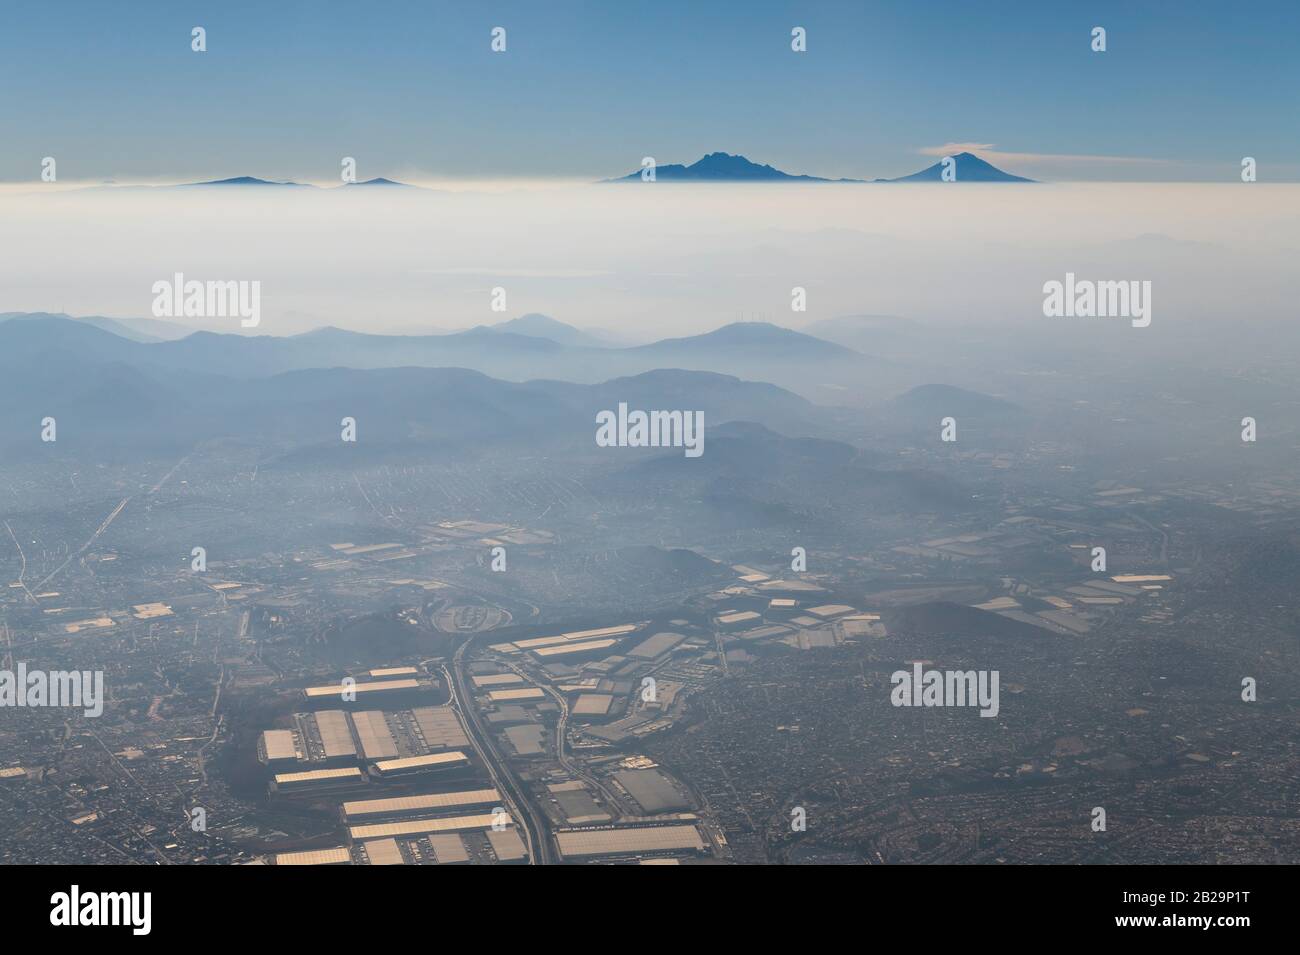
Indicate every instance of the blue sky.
{"type": "Point", "coordinates": [411, 89]}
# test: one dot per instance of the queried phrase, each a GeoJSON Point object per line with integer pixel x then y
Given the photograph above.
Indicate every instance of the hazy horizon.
{"type": "Point", "coordinates": [950, 521]}
{"type": "Point", "coordinates": [582, 91]}
{"type": "Point", "coordinates": [652, 260]}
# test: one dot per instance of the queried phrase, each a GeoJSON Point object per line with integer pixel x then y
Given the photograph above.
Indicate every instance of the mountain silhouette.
{"type": "Point", "coordinates": [724, 167]}
{"type": "Point", "coordinates": [104, 389]}
{"type": "Point", "coordinates": [134, 329]}
{"type": "Point", "coordinates": [381, 181]}
{"type": "Point", "coordinates": [968, 168]}
{"type": "Point", "coordinates": [751, 350]}
{"type": "Point", "coordinates": [748, 336]}
{"type": "Point", "coordinates": [543, 326]}
{"type": "Point", "coordinates": [248, 181]}
{"type": "Point", "coordinates": [932, 400]}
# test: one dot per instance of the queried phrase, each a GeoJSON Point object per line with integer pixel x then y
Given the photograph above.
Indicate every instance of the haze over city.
{"type": "Point", "coordinates": [778, 434]}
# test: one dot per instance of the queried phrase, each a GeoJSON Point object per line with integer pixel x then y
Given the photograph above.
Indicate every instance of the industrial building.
{"type": "Point", "coordinates": [337, 856]}
{"type": "Point", "coordinates": [389, 673]}
{"type": "Point", "coordinates": [440, 727]}
{"type": "Point", "coordinates": [507, 845]}
{"type": "Point", "coordinates": [368, 809]}
{"type": "Point", "coordinates": [418, 827]}
{"type": "Point", "coordinates": [409, 765]}
{"type": "Point", "coordinates": [383, 852]}
{"type": "Point", "coordinates": [448, 848]}
{"type": "Point", "coordinates": [652, 790]}
{"type": "Point", "coordinates": [738, 620]}
{"type": "Point", "coordinates": [360, 691]}
{"type": "Point", "coordinates": [565, 651]}
{"type": "Point", "coordinates": [588, 843]}
{"type": "Point", "coordinates": [528, 739]}
{"type": "Point", "coordinates": [334, 737]}
{"type": "Point", "coordinates": [278, 747]}
{"type": "Point", "coordinates": [830, 611]}
{"type": "Point", "coordinates": [593, 704]}
{"type": "Point", "coordinates": [333, 734]}
{"type": "Point", "coordinates": [782, 608]}
{"type": "Point", "coordinates": [317, 779]}
{"type": "Point", "coordinates": [574, 800]}
{"type": "Point", "coordinates": [373, 734]}
{"type": "Point", "coordinates": [497, 679]}
{"type": "Point", "coordinates": [576, 636]}
{"type": "Point", "coordinates": [511, 696]}
{"type": "Point", "coordinates": [656, 646]}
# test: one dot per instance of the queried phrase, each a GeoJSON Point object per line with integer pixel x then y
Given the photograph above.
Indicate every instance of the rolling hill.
{"type": "Point", "coordinates": [108, 390]}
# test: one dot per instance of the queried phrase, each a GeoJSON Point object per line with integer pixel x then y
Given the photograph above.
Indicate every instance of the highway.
{"type": "Point", "coordinates": [561, 738]}
{"type": "Point", "coordinates": [536, 832]}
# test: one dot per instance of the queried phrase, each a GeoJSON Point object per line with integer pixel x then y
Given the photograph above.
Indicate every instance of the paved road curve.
{"type": "Point", "coordinates": [536, 832]}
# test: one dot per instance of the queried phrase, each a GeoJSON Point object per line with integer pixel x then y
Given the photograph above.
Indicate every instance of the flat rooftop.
{"type": "Point", "coordinates": [380, 686]}
{"type": "Point", "coordinates": [448, 848]}
{"type": "Point", "coordinates": [497, 679]}
{"type": "Point", "coordinates": [420, 803]}
{"type": "Point", "coordinates": [604, 842]}
{"type": "Point", "coordinates": [593, 704]}
{"type": "Point", "coordinates": [417, 827]}
{"type": "Point", "coordinates": [279, 744]}
{"type": "Point", "coordinates": [450, 758]}
{"type": "Point", "coordinates": [507, 845]}
{"type": "Point", "coordinates": [376, 738]}
{"type": "Point", "coordinates": [529, 693]}
{"type": "Point", "coordinates": [339, 856]}
{"type": "Point", "coordinates": [319, 776]}
{"type": "Point", "coordinates": [567, 648]}
{"type": "Point", "coordinates": [656, 645]}
{"type": "Point", "coordinates": [575, 636]}
{"type": "Point", "coordinates": [384, 852]}
{"type": "Point", "coordinates": [831, 610]}
{"type": "Point", "coordinates": [440, 727]}
{"type": "Point", "coordinates": [738, 616]}
{"type": "Point", "coordinates": [335, 733]}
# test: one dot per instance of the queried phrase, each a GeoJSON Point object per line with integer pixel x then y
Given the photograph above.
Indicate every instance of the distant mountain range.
{"type": "Point", "coordinates": [725, 167]}
{"type": "Point", "coordinates": [112, 393]}
{"type": "Point", "coordinates": [554, 349]}
{"type": "Point", "coordinates": [825, 368]}
{"type": "Point", "coordinates": [537, 325]}
{"type": "Point", "coordinates": [135, 329]}
{"type": "Point", "coordinates": [254, 181]}
{"type": "Point", "coordinates": [107, 391]}
{"type": "Point", "coordinates": [742, 337]}
{"type": "Point", "coordinates": [248, 181]}
{"type": "Point", "coordinates": [714, 167]}
{"type": "Point", "coordinates": [237, 182]}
